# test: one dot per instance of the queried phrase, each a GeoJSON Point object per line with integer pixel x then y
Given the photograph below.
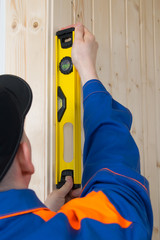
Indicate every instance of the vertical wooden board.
{"type": "Point", "coordinates": [118, 24]}
{"type": "Point", "coordinates": [134, 86]}
{"type": "Point", "coordinates": [62, 14]}
{"type": "Point", "coordinates": [157, 79]}
{"type": "Point", "coordinates": [50, 102]}
{"type": "Point", "coordinates": [59, 15]}
{"type": "Point", "coordinates": [143, 79]}
{"type": "Point", "coordinates": [82, 12]}
{"type": "Point", "coordinates": [25, 57]}
{"type": "Point", "coordinates": [102, 33]}
{"type": "Point", "coordinates": [88, 15]}
{"type": "Point", "coordinates": [35, 75]}
{"type": "Point", "coordinates": [15, 37]}
{"type": "Point", "coordinates": [151, 171]}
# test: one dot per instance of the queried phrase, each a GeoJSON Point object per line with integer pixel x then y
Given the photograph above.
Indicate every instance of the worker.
{"type": "Point", "coordinates": [114, 202]}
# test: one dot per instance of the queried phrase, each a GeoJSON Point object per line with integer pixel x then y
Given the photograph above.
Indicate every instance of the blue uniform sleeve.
{"type": "Point", "coordinates": [107, 124]}
{"type": "Point", "coordinates": [111, 157]}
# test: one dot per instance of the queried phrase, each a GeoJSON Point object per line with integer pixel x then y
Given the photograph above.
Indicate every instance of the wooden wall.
{"type": "Point", "coordinates": [128, 64]}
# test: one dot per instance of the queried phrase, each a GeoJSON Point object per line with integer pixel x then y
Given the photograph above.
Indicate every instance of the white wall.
{"type": "Point", "coordinates": [2, 36]}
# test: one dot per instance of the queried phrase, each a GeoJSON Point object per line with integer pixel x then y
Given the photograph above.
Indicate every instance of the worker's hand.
{"type": "Point", "coordinates": [84, 53]}
{"type": "Point", "coordinates": [59, 197]}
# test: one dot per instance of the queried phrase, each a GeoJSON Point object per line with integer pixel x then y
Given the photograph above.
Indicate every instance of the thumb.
{"type": "Point", "coordinates": [66, 188]}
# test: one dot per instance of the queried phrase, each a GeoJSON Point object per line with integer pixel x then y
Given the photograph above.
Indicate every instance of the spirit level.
{"type": "Point", "coordinates": [68, 109]}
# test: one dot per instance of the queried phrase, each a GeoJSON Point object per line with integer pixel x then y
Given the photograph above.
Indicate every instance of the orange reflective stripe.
{"type": "Point", "coordinates": [45, 214]}
{"type": "Point", "coordinates": [94, 206]}
{"type": "Point", "coordinates": [21, 213]}
{"type": "Point", "coordinates": [107, 169]}
{"type": "Point", "coordinates": [127, 177]}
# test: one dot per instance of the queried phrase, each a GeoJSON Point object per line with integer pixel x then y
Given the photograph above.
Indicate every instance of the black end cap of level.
{"type": "Point", "coordinates": [65, 31]}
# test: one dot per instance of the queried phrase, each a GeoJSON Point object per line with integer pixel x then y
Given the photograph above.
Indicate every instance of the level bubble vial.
{"type": "Point", "coordinates": [66, 65]}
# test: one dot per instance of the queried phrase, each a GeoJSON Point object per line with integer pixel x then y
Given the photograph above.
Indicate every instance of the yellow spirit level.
{"type": "Point", "coordinates": [68, 109]}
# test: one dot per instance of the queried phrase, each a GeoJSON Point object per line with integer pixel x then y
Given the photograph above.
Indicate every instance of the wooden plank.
{"type": "Point", "coordinates": [62, 14]}
{"type": "Point", "coordinates": [59, 15]}
{"type": "Point", "coordinates": [157, 83]}
{"type": "Point", "coordinates": [134, 86]}
{"type": "Point", "coordinates": [118, 21]}
{"type": "Point", "coordinates": [103, 37]}
{"type": "Point", "coordinates": [35, 73]}
{"type": "Point", "coordinates": [143, 79]}
{"type": "Point", "coordinates": [82, 12]}
{"type": "Point", "coordinates": [25, 57]}
{"type": "Point", "coordinates": [50, 102]}
{"type": "Point", "coordinates": [151, 171]}
{"type": "Point", "coordinates": [149, 95]}
{"type": "Point", "coordinates": [15, 37]}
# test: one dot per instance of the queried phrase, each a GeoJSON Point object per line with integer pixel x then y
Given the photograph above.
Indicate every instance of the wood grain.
{"type": "Point", "coordinates": [58, 15]}
{"type": "Point", "coordinates": [134, 84]}
{"type": "Point", "coordinates": [156, 19]}
{"type": "Point", "coordinates": [151, 170]}
{"type": "Point", "coordinates": [103, 37]}
{"type": "Point", "coordinates": [119, 62]}
{"type": "Point", "coordinates": [25, 57]}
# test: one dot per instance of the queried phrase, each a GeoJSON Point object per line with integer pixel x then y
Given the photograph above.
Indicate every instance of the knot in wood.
{"type": "Point", "coordinates": [35, 24]}
{"type": "Point", "coordinates": [14, 25]}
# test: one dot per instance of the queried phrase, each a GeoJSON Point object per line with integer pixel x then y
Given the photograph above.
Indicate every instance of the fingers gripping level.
{"type": "Point", "coordinates": [68, 108]}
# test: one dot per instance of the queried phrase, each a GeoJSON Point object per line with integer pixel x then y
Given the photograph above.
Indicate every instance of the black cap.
{"type": "Point", "coordinates": [15, 102]}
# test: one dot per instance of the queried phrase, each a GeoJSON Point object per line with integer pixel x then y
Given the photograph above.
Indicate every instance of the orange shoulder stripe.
{"type": "Point", "coordinates": [44, 213]}
{"type": "Point", "coordinates": [95, 206]}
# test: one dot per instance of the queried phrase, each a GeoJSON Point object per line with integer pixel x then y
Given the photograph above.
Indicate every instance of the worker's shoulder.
{"type": "Point", "coordinates": [94, 206]}
{"type": "Point", "coordinates": [24, 222]}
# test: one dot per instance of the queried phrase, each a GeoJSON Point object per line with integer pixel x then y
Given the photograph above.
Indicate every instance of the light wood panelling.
{"type": "Point", "coordinates": [58, 15]}
{"type": "Point", "coordinates": [119, 64]}
{"type": "Point", "coordinates": [157, 80]}
{"type": "Point", "coordinates": [82, 12]}
{"type": "Point", "coordinates": [134, 81]}
{"type": "Point", "coordinates": [151, 170]}
{"type": "Point", "coordinates": [35, 75]}
{"type": "Point", "coordinates": [25, 57]}
{"type": "Point", "coordinates": [62, 14]}
{"type": "Point", "coordinates": [103, 37]}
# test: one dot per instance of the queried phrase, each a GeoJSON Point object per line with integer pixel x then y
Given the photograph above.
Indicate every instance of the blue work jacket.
{"type": "Point", "coordinates": [115, 201]}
